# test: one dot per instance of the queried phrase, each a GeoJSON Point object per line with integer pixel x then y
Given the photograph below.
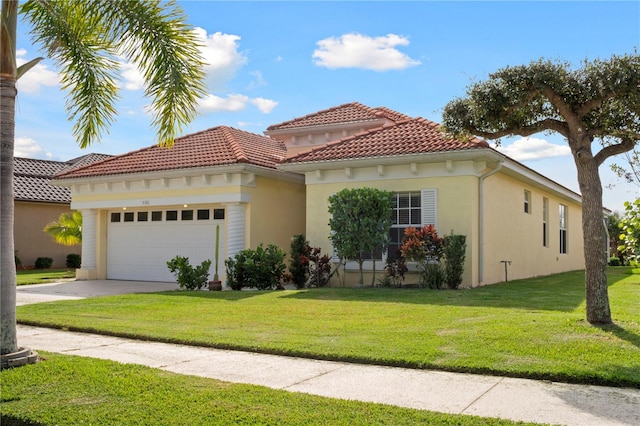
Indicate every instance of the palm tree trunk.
{"type": "Point", "coordinates": [8, 339]}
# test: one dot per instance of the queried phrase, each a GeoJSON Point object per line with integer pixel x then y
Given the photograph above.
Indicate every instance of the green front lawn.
{"type": "Point", "coordinates": [529, 328]}
{"type": "Point", "coordinates": [66, 390]}
{"type": "Point", "coordinates": [41, 276]}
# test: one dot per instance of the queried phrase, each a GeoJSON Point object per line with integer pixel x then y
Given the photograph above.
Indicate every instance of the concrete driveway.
{"type": "Point", "coordinates": [27, 294]}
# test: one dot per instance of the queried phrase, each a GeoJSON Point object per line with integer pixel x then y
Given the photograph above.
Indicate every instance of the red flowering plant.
{"type": "Point", "coordinates": [422, 244]}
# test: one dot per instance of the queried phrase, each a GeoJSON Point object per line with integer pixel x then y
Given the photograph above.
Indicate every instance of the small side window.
{"type": "Point", "coordinates": [156, 216]}
{"type": "Point", "coordinates": [204, 214]}
{"type": "Point", "coordinates": [187, 215]}
{"type": "Point", "coordinates": [218, 213]}
{"type": "Point", "coordinates": [527, 201]}
{"type": "Point", "coordinates": [128, 216]}
{"type": "Point", "coordinates": [143, 216]}
{"type": "Point", "coordinates": [172, 214]}
{"type": "Point", "coordinates": [115, 217]}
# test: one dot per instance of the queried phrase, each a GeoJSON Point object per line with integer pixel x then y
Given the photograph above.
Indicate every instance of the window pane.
{"type": "Point", "coordinates": [128, 217]}
{"type": "Point", "coordinates": [415, 200]}
{"type": "Point", "coordinates": [403, 217]}
{"type": "Point", "coordinates": [203, 214]}
{"type": "Point", "coordinates": [156, 216]}
{"type": "Point", "coordinates": [218, 213]}
{"type": "Point", "coordinates": [403, 200]}
{"type": "Point", "coordinates": [172, 214]}
{"type": "Point", "coordinates": [187, 215]}
{"type": "Point", "coordinates": [416, 216]}
{"type": "Point", "coordinates": [115, 217]}
{"type": "Point", "coordinates": [143, 216]}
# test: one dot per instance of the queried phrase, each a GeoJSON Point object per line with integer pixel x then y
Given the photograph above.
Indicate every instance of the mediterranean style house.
{"type": "Point", "coordinates": [37, 203]}
{"type": "Point", "coordinates": [143, 208]}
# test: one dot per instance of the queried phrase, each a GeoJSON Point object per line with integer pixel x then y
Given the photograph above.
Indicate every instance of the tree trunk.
{"type": "Point", "coordinates": [8, 339]}
{"type": "Point", "coordinates": [594, 235]}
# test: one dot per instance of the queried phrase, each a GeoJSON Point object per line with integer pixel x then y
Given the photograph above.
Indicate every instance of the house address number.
{"type": "Point", "coordinates": [145, 202]}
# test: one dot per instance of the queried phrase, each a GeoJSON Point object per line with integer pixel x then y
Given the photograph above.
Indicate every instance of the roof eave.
{"type": "Point", "coordinates": [480, 154]}
{"type": "Point", "coordinates": [179, 173]}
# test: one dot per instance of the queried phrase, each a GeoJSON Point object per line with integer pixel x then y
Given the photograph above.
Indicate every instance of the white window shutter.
{"type": "Point", "coordinates": [430, 207]}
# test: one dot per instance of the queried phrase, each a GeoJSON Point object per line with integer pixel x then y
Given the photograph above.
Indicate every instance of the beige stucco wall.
{"type": "Point", "coordinates": [511, 234]}
{"type": "Point", "coordinates": [508, 233]}
{"type": "Point", "coordinates": [456, 210]}
{"type": "Point", "coordinates": [31, 242]}
{"type": "Point", "coordinates": [276, 213]}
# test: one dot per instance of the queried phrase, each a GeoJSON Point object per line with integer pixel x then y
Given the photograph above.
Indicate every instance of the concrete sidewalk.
{"type": "Point", "coordinates": [487, 396]}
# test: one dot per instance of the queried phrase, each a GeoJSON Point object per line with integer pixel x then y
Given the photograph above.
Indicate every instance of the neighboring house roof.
{"type": "Point", "coordinates": [412, 136]}
{"type": "Point", "coordinates": [31, 178]}
{"type": "Point", "coordinates": [220, 145]}
{"type": "Point", "coordinates": [346, 113]}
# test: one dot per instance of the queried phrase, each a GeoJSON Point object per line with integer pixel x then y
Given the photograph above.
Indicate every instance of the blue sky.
{"type": "Point", "coordinates": [273, 61]}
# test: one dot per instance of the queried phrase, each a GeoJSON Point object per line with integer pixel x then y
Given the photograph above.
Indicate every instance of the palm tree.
{"type": "Point", "coordinates": [85, 38]}
{"type": "Point", "coordinates": [67, 230]}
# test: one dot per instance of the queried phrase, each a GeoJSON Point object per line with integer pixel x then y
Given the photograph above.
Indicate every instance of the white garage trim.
{"type": "Point", "coordinates": [140, 242]}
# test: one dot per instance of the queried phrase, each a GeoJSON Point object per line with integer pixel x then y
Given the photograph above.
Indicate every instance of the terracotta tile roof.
{"type": "Point", "coordinates": [31, 178]}
{"type": "Point", "coordinates": [346, 113]}
{"type": "Point", "coordinates": [212, 147]}
{"type": "Point", "coordinates": [413, 136]}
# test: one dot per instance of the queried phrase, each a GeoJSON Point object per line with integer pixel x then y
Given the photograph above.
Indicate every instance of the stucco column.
{"type": "Point", "coordinates": [235, 228]}
{"type": "Point", "coordinates": [87, 270]}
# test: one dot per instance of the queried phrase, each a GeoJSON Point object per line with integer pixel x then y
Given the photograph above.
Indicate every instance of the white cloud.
{"type": "Point", "coordinates": [258, 80]}
{"type": "Point", "coordinates": [264, 105]}
{"type": "Point", "coordinates": [220, 51]}
{"type": "Point", "coordinates": [133, 79]}
{"type": "Point", "coordinates": [27, 147]}
{"type": "Point", "coordinates": [533, 149]}
{"type": "Point", "coordinates": [38, 76]}
{"type": "Point", "coordinates": [232, 103]}
{"type": "Point", "coordinates": [360, 51]}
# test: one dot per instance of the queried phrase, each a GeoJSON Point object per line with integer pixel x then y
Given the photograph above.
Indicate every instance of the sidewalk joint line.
{"type": "Point", "coordinates": [313, 377]}
{"type": "Point", "coordinates": [483, 394]}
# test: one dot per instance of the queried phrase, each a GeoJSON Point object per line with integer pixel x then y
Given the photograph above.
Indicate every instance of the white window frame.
{"type": "Point", "coordinates": [564, 238]}
{"type": "Point", "coordinates": [545, 222]}
{"type": "Point", "coordinates": [527, 201]}
{"type": "Point", "coordinates": [429, 216]}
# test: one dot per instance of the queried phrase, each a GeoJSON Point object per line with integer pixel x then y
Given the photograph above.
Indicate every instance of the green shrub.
{"type": "Point", "coordinates": [73, 260]}
{"type": "Point", "coordinates": [188, 277]}
{"type": "Point", "coordinates": [454, 254]}
{"type": "Point", "coordinates": [614, 261]}
{"type": "Point", "coordinates": [299, 261]}
{"type": "Point", "coordinates": [43, 263]}
{"type": "Point", "coordinates": [432, 275]}
{"type": "Point", "coordinates": [262, 268]}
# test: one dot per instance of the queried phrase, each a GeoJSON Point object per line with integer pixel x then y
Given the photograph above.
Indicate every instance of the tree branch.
{"type": "Point", "coordinates": [627, 144]}
{"type": "Point", "coordinates": [565, 110]}
{"type": "Point", "coordinates": [540, 126]}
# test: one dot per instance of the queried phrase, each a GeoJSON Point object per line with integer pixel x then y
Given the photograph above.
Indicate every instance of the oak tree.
{"type": "Point", "coordinates": [595, 106]}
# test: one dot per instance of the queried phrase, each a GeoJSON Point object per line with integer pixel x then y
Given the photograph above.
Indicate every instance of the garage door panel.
{"type": "Point", "coordinates": [140, 250]}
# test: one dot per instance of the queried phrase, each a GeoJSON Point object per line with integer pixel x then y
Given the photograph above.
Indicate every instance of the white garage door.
{"type": "Point", "coordinates": [139, 243]}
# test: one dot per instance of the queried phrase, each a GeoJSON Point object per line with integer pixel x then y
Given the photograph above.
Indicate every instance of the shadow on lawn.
{"type": "Point", "coordinates": [621, 333]}
{"type": "Point", "coordinates": [562, 292]}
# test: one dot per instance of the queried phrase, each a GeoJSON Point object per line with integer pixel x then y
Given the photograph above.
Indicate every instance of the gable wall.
{"type": "Point", "coordinates": [31, 241]}
{"type": "Point", "coordinates": [511, 234]}
{"type": "Point", "coordinates": [276, 213]}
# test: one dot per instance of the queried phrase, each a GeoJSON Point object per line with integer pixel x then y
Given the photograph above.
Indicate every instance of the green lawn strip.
{"type": "Point", "coordinates": [68, 390]}
{"type": "Point", "coordinates": [41, 276]}
{"type": "Point", "coordinates": [530, 328]}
